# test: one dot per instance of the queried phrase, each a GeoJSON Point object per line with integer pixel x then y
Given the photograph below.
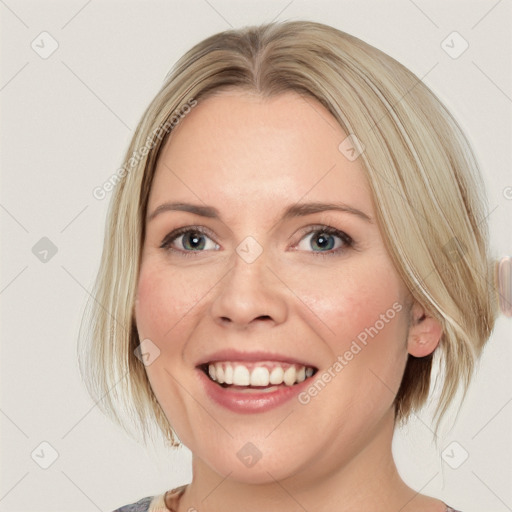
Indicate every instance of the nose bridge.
{"type": "Point", "coordinates": [249, 291]}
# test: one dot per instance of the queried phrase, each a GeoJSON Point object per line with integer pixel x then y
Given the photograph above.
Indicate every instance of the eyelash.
{"type": "Point", "coordinates": [347, 240]}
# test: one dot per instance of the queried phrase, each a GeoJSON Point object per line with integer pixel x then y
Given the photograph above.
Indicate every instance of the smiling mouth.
{"type": "Point", "coordinates": [264, 375]}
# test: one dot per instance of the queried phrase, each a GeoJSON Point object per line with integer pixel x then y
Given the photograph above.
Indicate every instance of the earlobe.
{"type": "Point", "coordinates": [425, 332]}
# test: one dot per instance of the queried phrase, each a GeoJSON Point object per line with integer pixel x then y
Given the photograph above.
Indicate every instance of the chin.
{"type": "Point", "coordinates": [248, 464]}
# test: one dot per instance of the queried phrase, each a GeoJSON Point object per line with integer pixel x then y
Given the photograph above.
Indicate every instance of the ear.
{"type": "Point", "coordinates": [424, 332]}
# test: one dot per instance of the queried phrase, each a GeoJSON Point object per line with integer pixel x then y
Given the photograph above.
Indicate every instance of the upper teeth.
{"type": "Point", "coordinates": [259, 374]}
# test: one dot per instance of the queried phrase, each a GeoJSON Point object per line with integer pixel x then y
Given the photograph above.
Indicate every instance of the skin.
{"type": "Point", "coordinates": [250, 158]}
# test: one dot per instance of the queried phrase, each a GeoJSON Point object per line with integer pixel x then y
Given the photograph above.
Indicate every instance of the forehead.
{"type": "Point", "coordinates": [240, 150]}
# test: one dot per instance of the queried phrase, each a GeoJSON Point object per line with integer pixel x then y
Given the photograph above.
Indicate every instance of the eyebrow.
{"type": "Point", "coordinates": [296, 210]}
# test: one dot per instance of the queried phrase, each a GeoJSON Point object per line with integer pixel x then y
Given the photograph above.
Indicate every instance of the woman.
{"type": "Point", "coordinates": [296, 232]}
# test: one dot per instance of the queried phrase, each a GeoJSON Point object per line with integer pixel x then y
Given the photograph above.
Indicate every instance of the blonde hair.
{"type": "Point", "coordinates": [423, 176]}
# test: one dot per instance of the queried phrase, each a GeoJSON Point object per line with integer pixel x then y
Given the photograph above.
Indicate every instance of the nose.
{"type": "Point", "coordinates": [250, 294]}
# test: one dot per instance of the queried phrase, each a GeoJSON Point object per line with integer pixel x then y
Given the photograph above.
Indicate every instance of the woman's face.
{"type": "Point", "coordinates": [263, 261]}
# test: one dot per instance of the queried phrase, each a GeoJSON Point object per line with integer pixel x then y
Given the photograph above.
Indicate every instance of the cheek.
{"type": "Point", "coordinates": [163, 301]}
{"type": "Point", "coordinates": [165, 310]}
{"type": "Point", "coordinates": [371, 332]}
{"type": "Point", "coordinates": [356, 303]}
{"type": "Point", "coordinates": [367, 343]}
{"type": "Point", "coordinates": [364, 324]}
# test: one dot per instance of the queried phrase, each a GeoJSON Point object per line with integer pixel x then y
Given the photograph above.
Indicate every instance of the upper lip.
{"type": "Point", "coordinates": [253, 356]}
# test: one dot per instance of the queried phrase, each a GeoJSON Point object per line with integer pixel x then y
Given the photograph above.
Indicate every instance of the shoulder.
{"type": "Point", "coordinates": [166, 501]}
{"type": "Point", "coordinates": [140, 506]}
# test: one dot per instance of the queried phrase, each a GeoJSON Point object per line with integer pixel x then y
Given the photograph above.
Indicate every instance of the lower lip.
{"type": "Point", "coordinates": [249, 401]}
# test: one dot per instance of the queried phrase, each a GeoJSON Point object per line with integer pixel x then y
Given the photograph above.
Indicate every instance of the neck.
{"type": "Point", "coordinates": [365, 480]}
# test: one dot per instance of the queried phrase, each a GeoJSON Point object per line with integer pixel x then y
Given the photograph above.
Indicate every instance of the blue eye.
{"type": "Point", "coordinates": [322, 240]}
{"type": "Point", "coordinates": [188, 240]}
{"type": "Point", "coordinates": [325, 239]}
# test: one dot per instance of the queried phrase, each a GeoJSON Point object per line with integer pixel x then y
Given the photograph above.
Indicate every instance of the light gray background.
{"type": "Point", "coordinates": [66, 123]}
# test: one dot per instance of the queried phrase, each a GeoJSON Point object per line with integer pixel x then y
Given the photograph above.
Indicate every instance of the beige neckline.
{"type": "Point", "coordinates": [168, 501]}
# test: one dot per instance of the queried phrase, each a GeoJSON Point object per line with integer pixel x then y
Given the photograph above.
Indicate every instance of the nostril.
{"type": "Point", "coordinates": [261, 317]}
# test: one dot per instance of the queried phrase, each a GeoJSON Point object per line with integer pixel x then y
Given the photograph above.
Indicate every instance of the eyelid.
{"type": "Point", "coordinates": [322, 227]}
